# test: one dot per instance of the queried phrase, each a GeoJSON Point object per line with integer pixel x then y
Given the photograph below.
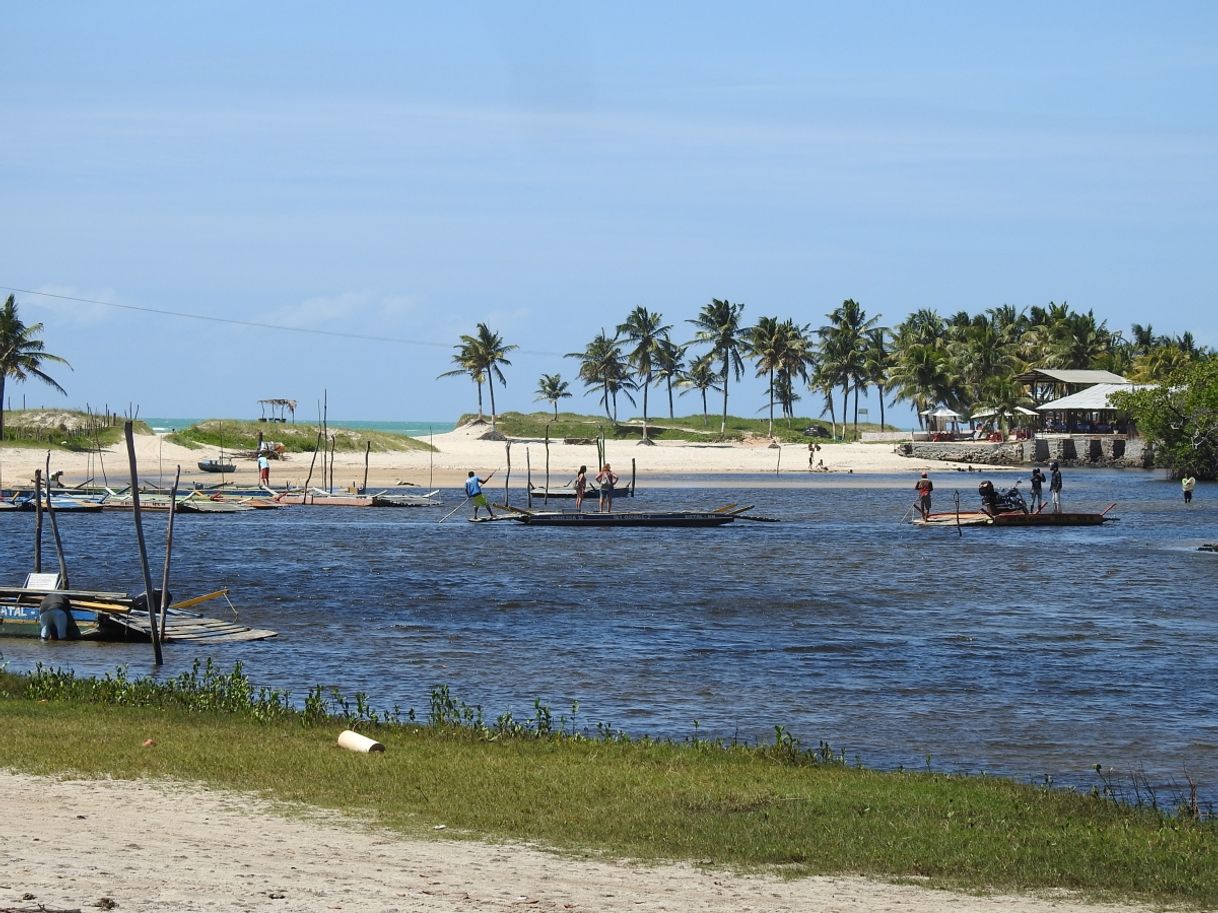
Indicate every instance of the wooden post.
{"type": "Point", "coordinates": [333, 447]}
{"type": "Point", "coordinates": [508, 477]}
{"type": "Point", "coordinates": [173, 498]}
{"type": "Point", "coordinates": [312, 462]}
{"type": "Point", "coordinates": [778, 463]}
{"type": "Point", "coordinates": [139, 538]}
{"type": "Point", "coordinates": [528, 476]}
{"type": "Point", "coordinates": [545, 498]}
{"type": "Point", "coordinates": [367, 450]}
{"type": "Point", "coordinates": [38, 521]}
{"type": "Point", "coordinates": [63, 564]}
{"type": "Point", "coordinates": [633, 476]}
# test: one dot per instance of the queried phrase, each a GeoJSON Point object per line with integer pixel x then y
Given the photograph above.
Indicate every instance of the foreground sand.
{"type": "Point", "coordinates": [462, 450]}
{"type": "Point", "coordinates": [150, 846]}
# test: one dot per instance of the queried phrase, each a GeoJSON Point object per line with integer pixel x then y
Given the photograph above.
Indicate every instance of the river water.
{"type": "Point", "coordinates": [1029, 653]}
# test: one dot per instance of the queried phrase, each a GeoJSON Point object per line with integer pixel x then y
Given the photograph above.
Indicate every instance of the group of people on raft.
{"type": "Point", "coordinates": [995, 502]}
{"type": "Point", "coordinates": [606, 480]}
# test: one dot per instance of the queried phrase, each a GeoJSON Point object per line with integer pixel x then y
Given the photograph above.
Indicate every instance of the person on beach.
{"type": "Point", "coordinates": [264, 468]}
{"type": "Point", "coordinates": [473, 492]}
{"type": "Point", "coordinates": [581, 487]}
{"type": "Point", "coordinates": [1055, 486]}
{"type": "Point", "coordinates": [1187, 484]}
{"type": "Point", "coordinates": [1038, 481]}
{"type": "Point", "coordinates": [606, 480]}
{"type": "Point", "coordinates": [924, 486]}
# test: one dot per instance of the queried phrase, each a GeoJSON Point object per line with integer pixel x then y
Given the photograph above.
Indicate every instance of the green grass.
{"type": "Point", "coordinates": [63, 429]}
{"type": "Point", "coordinates": [236, 435]}
{"type": "Point", "coordinates": [775, 807]}
{"type": "Point", "coordinates": [682, 428]}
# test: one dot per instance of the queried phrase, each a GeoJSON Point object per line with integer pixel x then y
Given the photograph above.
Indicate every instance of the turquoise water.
{"type": "Point", "coordinates": [409, 429]}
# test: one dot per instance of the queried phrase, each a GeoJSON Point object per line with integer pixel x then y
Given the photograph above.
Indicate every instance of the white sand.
{"type": "Point", "coordinates": [461, 451]}
{"type": "Point", "coordinates": [152, 847]}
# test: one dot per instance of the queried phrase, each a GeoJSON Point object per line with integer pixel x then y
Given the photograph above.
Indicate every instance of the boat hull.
{"type": "Point", "coordinates": [980, 518]}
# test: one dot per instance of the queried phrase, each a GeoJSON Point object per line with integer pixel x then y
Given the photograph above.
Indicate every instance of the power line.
{"type": "Point", "coordinates": [363, 337]}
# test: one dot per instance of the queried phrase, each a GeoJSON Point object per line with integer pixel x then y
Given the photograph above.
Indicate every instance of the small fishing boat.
{"type": "Point", "coordinates": [62, 503]}
{"type": "Point", "coordinates": [101, 615]}
{"type": "Point", "coordinates": [720, 516]}
{"type": "Point", "coordinates": [218, 465]}
{"type": "Point", "coordinates": [318, 497]}
{"type": "Point", "coordinates": [395, 499]}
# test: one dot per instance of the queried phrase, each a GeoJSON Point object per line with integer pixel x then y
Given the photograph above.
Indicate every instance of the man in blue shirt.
{"type": "Point", "coordinates": [473, 491]}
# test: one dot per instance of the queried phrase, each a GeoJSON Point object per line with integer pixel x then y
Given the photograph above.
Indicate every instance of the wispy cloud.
{"type": "Point", "coordinates": [354, 311]}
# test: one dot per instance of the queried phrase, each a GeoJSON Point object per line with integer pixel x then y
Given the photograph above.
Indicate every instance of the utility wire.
{"type": "Point", "coordinates": [255, 324]}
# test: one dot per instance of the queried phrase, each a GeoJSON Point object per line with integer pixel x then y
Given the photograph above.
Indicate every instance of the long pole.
{"type": "Point", "coordinates": [38, 521]}
{"type": "Point", "coordinates": [528, 476]}
{"type": "Point", "coordinates": [545, 498]}
{"type": "Point", "coordinates": [173, 500]}
{"type": "Point", "coordinates": [453, 511]}
{"type": "Point", "coordinates": [508, 477]}
{"type": "Point", "coordinates": [139, 538]}
{"type": "Point", "coordinates": [367, 450]}
{"type": "Point", "coordinates": [63, 564]}
{"type": "Point", "coordinates": [312, 462]}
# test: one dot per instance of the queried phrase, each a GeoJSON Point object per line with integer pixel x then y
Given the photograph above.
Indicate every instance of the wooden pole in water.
{"type": "Point", "coordinates": [325, 438]}
{"type": "Point", "coordinates": [63, 564]}
{"type": "Point", "coordinates": [633, 476]}
{"type": "Point", "coordinates": [333, 448]}
{"type": "Point", "coordinates": [508, 476]}
{"type": "Point", "coordinates": [367, 450]}
{"type": "Point", "coordinates": [545, 498]}
{"type": "Point", "coordinates": [139, 538]}
{"type": "Point", "coordinates": [38, 521]}
{"type": "Point", "coordinates": [778, 464]}
{"type": "Point", "coordinates": [528, 476]}
{"type": "Point", "coordinates": [309, 477]}
{"type": "Point", "coordinates": [173, 497]}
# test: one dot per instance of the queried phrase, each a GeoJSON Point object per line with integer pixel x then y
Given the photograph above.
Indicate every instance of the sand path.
{"type": "Point", "coordinates": [154, 846]}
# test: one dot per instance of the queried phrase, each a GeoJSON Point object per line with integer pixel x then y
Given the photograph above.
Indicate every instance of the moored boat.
{"type": "Point", "coordinates": [672, 518]}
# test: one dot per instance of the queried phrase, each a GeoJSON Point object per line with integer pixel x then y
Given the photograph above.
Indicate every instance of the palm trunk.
{"type": "Point", "coordinates": [726, 371]}
{"type": "Point", "coordinates": [705, 411]}
{"type": "Point", "coordinates": [671, 413]}
{"type": "Point", "coordinates": [771, 402]}
{"type": "Point", "coordinates": [881, 408]}
{"type": "Point", "coordinates": [490, 383]}
{"type": "Point", "coordinates": [481, 417]}
{"type": "Point", "coordinates": [608, 414]}
{"type": "Point", "coordinates": [845, 406]}
{"type": "Point", "coordinates": [646, 387]}
{"type": "Point", "coordinates": [2, 378]}
{"type": "Point", "coordinates": [856, 412]}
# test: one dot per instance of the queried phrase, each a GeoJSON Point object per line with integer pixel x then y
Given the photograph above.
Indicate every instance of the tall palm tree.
{"type": "Point", "coordinates": [551, 388]}
{"type": "Point", "coordinates": [22, 353]}
{"type": "Point", "coordinates": [602, 365]}
{"type": "Point", "coordinates": [719, 327]}
{"type": "Point", "coordinates": [647, 332]}
{"type": "Point", "coordinates": [877, 360]}
{"type": "Point", "coordinates": [844, 336]}
{"type": "Point", "coordinates": [796, 358]}
{"type": "Point", "coordinates": [701, 376]}
{"type": "Point", "coordinates": [670, 368]}
{"type": "Point", "coordinates": [765, 342]}
{"type": "Point", "coordinates": [469, 365]}
{"type": "Point", "coordinates": [484, 353]}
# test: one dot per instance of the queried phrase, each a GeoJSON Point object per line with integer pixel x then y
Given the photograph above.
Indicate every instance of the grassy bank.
{"type": "Point", "coordinates": [545, 779]}
{"type": "Point", "coordinates": [682, 428]}
{"type": "Point", "coordinates": [236, 436]}
{"type": "Point", "coordinates": [64, 429]}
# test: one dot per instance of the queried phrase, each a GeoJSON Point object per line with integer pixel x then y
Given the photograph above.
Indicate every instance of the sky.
{"type": "Point", "coordinates": [354, 186]}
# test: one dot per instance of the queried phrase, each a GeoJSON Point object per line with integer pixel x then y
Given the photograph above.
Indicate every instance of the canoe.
{"type": "Point", "coordinates": [635, 518]}
{"type": "Point", "coordinates": [390, 499]}
{"type": "Point", "coordinates": [217, 466]}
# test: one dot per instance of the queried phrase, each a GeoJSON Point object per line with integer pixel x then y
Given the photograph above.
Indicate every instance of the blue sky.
{"type": "Point", "coordinates": [404, 171]}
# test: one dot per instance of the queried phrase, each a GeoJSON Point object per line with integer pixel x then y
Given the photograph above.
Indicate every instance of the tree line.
{"type": "Point", "coordinates": [965, 362]}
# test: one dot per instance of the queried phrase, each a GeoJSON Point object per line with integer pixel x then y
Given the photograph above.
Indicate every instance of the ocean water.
{"type": "Point", "coordinates": [1032, 653]}
{"type": "Point", "coordinates": [410, 429]}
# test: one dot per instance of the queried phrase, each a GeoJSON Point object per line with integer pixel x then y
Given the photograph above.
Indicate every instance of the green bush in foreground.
{"type": "Point", "coordinates": [778, 806]}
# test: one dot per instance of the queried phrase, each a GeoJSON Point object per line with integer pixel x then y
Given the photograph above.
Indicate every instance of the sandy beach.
{"type": "Point", "coordinates": [462, 450]}
{"type": "Point", "coordinates": [154, 846]}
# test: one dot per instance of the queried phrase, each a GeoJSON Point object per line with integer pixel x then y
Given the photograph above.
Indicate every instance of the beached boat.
{"type": "Point", "coordinates": [317, 497]}
{"type": "Point", "coordinates": [406, 499]}
{"type": "Point", "coordinates": [220, 465]}
{"type": "Point", "coordinates": [676, 518]}
{"type": "Point", "coordinates": [101, 615]}
{"type": "Point", "coordinates": [62, 503]}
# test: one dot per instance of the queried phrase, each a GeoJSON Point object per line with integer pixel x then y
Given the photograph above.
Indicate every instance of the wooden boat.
{"type": "Point", "coordinates": [392, 499]}
{"type": "Point", "coordinates": [672, 518]}
{"type": "Point", "coordinates": [220, 465]}
{"type": "Point", "coordinates": [192, 502]}
{"type": "Point", "coordinates": [61, 503]}
{"type": "Point", "coordinates": [100, 615]}
{"type": "Point", "coordinates": [317, 497]}
{"type": "Point", "coordinates": [1015, 518]}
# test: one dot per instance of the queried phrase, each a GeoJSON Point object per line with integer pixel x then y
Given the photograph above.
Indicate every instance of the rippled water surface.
{"type": "Point", "coordinates": [1031, 653]}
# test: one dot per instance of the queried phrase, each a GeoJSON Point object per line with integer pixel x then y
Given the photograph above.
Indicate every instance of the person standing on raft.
{"type": "Point", "coordinates": [581, 487]}
{"type": "Point", "coordinates": [606, 479]}
{"type": "Point", "coordinates": [473, 491]}
{"type": "Point", "coordinates": [924, 486]}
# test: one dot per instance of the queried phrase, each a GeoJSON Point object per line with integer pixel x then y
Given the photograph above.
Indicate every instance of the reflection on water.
{"type": "Point", "coordinates": [1025, 652]}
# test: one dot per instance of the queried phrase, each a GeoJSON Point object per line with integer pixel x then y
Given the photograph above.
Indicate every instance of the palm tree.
{"type": "Point", "coordinates": [764, 343]}
{"type": "Point", "coordinates": [701, 376]}
{"type": "Point", "coordinates": [552, 388]}
{"type": "Point", "coordinates": [646, 330]}
{"type": "Point", "coordinates": [22, 353]}
{"type": "Point", "coordinates": [465, 357]}
{"type": "Point", "coordinates": [844, 340]}
{"type": "Point", "coordinates": [481, 356]}
{"type": "Point", "coordinates": [670, 368]}
{"type": "Point", "coordinates": [719, 326]}
{"type": "Point", "coordinates": [602, 365]}
{"type": "Point", "coordinates": [796, 358]}
{"type": "Point", "coordinates": [877, 360]}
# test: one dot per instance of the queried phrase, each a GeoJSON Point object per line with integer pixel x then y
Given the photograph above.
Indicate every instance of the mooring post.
{"type": "Point", "coordinates": [173, 500]}
{"type": "Point", "coordinates": [139, 538]}
{"type": "Point", "coordinates": [38, 521]}
{"type": "Point", "coordinates": [63, 564]}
